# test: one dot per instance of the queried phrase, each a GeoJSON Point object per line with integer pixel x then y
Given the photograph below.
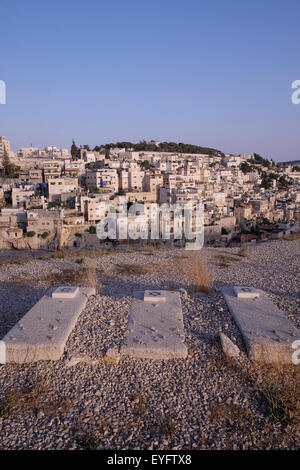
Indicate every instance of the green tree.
{"type": "Point", "coordinates": [246, 168]}
{"type": "Point", "coordinates": [145, 165]}
{"type": "Point", "coordinates": [74, 150]}
{"type": "Point", "coordinates": [10, 170]}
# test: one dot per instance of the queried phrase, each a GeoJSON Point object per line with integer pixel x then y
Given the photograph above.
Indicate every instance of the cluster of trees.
{"type": "Point", "coordinates": [10, 170]}
{"type": "Point", "coordinates": [161, 147]}
{"type": "Point", "coordinates": [56, 204]}
{"type": "Point", "coordinates": [266, 181]}
{"type": "Point", "coordinates": [145, 165]}
{"type": "Point", "coordinates": [246, 168]}
{"type": "Point", "coordinates": [258, 160]}
{"type": "Point", "coordinates": [252, 165]}
{"type": "Point", "coordinates": [282, 181]}
{"type": "Point", "coordinates": [75, 150]}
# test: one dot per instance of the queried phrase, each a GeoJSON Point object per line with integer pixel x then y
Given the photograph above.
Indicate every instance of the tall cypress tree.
{"type": "Point", "coordinates": [74, 150]}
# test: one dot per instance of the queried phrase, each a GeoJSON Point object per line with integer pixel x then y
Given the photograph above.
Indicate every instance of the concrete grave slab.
{"type": "Point", "coordinates": [43, 332]}
{"type": "Point", "coordinates": [155, 327]}
{"type": "Point", "coordinates": [267, 333]}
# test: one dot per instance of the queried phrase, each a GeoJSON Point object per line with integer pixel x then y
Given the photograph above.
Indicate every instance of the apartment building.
{"type": "Point", "coordinates": [59, 186]}
{"type": "Point", "coordinates": [40, 220]}
{"type": "Point", "coordinates": [28, 152]}
{"type": "Point", "coordinates": [123, 181]}
{"type": "Point", "coordinates": [153, 181]}
{"type": "Point", "coordinates": [104, 178]}
{"type": "Point", "coordinates": [19, 195]}
{"type": "Point", "coordinates": [51, 169]}
{"type": "Point", "coordinates": [135, 179]}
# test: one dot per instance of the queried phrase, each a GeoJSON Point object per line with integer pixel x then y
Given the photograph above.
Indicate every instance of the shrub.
{"type": "Point", "coordinates": [30, 234]}
{"type": "Point", "coordinates": [243, 249]}
{"type": "Point", "coordinates": [44, 235]}
{"type": "Point", "coordinates": [77, 276]}
{"type": "Point", "coordinates": [278, 388]}
{"type": "Point", "coordinates": [225, 260]}
{"type": "Point", "coordinates": [196, 273]}
{"type": "Point", "coordinates": [54, 204]}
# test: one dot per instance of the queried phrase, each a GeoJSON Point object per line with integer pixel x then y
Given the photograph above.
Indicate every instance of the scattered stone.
{"type": "Point", "coordinates": [112, 355]}
{"type": "Point", "coordinates": [229, 348]}
{"type": "Point", "coordinates": [183, 291]}
{"type": "Point", "coordinates": [74, 360]}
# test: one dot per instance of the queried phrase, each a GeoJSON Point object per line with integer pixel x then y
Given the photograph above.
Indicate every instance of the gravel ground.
{"type": "Point", "coordinates": [203, 402]}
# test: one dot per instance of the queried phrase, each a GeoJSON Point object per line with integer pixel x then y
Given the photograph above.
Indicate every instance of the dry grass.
{"type": "Point", "coordinates": [224, 261]}
{"type": "Point", "coordinates": [148, 249]}
{"type": "Point", "coordinates": [278, 388]}
{"type": "Point", "coordinates": [280, 392]}
{"type": "Point", "coordinates": [196, 272]}
{"type": "Point", "coordinates": [243, 249]}
{"type": "Point", "coordinates": [33, 397]}
{"type": "Point", "coordinates": [79, 276]}
{"type": "Point", "coordinates": [94, 253]}
{"type": "Point", "coordinates": [20, 261]}
{"type": "Point", "coordinates": [223, 412]}
{"type": "Point", "coordinates": [135, 269]}
{"type": "Point", "coordinates": [168, 427]}
{"type": "Point", "coordinates": [6, 262]}
{"type": "Point", "coordinates": [73, 276]}
{"type": "Point", "coordinates": [140, 405]}
{"type": "Point", "coordinates": [60, 254]}
{"type": "Point", "coordinates": [164, 426]}
{"type": "Point", "coordinates": [292, 236]}
{"type": "Point", "coordinates": [29, 399]}
{"type": "Point", "coordinates": [88, 441]}
{"type": "Point", "coordinates": [18, 284]}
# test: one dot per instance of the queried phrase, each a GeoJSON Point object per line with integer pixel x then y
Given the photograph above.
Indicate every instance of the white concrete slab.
{"type": "Point", "coordinates": [155, 328]}
{"type": "Point", "coordinates": [267, 333]}
{"type": "Point", "coordinates": [43, 332]}
{"type": "Point", "coordinates": [246, 292]}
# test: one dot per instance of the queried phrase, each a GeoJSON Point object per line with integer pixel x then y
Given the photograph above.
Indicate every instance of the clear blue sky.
{"type": "Point", "coordinates": [214, 73]}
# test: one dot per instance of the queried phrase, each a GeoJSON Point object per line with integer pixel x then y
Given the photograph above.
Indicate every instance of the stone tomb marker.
{"type": "Point", "coordinates": [267, 333]}
{"type": "Point", "coordinates": [43, 332]}
{"type": "Point", "coordinates": [154, 295]}
{"type": "Point", "coordinates": [246, 292]}
{"type": "Point", "coordinates": [155, 326]}
{"type": "Point", "coordinates": [65, 292]}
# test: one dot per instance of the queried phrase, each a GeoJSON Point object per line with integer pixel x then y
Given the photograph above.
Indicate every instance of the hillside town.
{"type": "Point", "coordinates": [53, 198]}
